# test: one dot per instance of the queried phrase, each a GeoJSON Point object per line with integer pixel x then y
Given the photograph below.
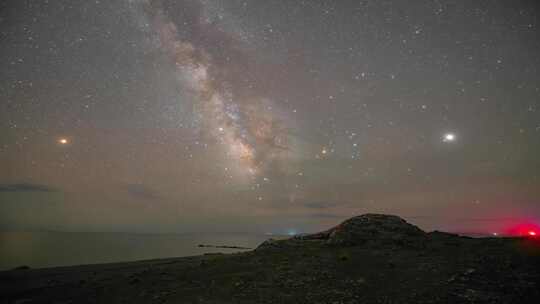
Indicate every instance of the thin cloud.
{"type": "Point", "coordinates": [327, 215]}
{"type": "Point", "coordinates": [141, 191]}
{"type": "Point", "coordinates": [320, 205]}
{"type": "Point", "coordinates": [26, 187]}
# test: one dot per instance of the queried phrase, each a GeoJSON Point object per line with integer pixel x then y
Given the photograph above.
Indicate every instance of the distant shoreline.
{"type": "Point", "coordinates": [223, 246]}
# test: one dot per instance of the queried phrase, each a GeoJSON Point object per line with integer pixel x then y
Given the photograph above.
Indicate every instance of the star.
{"type": "Point", "coordinates": [449, 137]}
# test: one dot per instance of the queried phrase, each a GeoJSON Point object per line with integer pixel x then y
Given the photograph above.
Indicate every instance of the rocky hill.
{"type": "Point", "coordinates": [370, 258]}
{"type": "Point", "coordinates": [367, 229]}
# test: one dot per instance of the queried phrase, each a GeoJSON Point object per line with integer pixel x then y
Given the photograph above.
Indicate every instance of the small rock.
{"type": "Point", "coordinates": [134, 280]}
{"type": "Point", "coordinates": [23, 267]}
{"type": "Point", "coordinates": [470, 271]}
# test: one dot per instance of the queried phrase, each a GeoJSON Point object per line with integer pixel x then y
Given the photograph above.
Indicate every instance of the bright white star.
{"type": "Point", "coordinates": [449, 137]}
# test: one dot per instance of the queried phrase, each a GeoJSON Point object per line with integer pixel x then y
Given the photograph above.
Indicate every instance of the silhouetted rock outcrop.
{"type": "Point", "coordinates": [369, 227]}
{"type": "Point", "coordinates": [363, 229]}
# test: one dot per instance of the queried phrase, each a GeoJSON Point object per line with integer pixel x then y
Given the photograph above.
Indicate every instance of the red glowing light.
{"type": "Point", "coordinates": [524, 229]}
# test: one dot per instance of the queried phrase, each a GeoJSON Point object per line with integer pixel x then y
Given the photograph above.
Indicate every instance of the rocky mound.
{"type": "Point", "coordinates": [366, 228]}
{"type": "Point", "coordinates": [369, 227]}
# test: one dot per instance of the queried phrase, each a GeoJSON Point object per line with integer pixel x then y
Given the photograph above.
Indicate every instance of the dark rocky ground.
{"type": "Point", "coordinates": [367, 259]}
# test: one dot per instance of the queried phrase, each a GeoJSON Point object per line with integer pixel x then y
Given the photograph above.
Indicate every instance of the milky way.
{"type": "Point", "coordinates": [241, 121]}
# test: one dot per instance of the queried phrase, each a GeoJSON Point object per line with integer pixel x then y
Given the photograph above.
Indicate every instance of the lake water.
{"type": "Point", "coordinates": [50, 249]}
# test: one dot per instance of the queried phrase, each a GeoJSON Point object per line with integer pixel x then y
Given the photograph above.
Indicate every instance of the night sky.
{"type": "Point", "coordinates": [268, 116]}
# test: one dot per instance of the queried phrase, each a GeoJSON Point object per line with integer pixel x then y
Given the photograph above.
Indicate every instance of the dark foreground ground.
{"type": "Point", "coordinates": [441, 268]}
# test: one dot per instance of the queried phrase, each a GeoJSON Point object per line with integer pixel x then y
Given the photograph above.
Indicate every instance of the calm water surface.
{"type": "Point", "coordinates": [49, 249]}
